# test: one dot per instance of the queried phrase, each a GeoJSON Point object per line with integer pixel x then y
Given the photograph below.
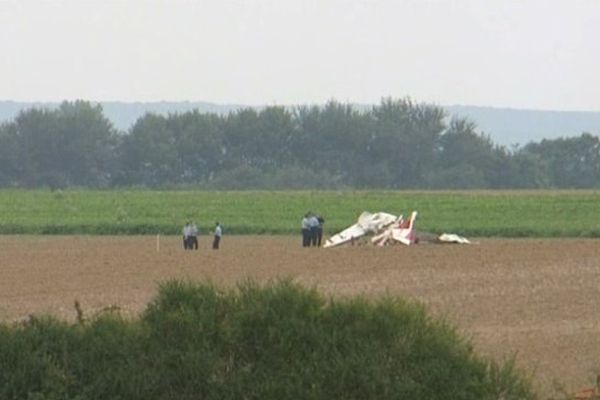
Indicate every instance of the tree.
{"type": "Point", "coordinates": [332, 140]}
{"type": "Point", "coordinates": [148, 155]}
{"type": "Point", "coordinates": [397, 144]}
{"type": "Point", "coordinates": [569, 162]}
{"type": "Point", "coordinates": [465, 159]}
{"type": "Point", "coordinates": [10, 166]}
{"type": "Point", "coordinates": [200, 145]}
{"type": "Point", "coordinates": [528, 170]}
{"type": "Point", "coordinates": [70, 146]}
{"type": "Point", "coordinates": [240, 130]}
{"type": "Point", "coordinates": [405, 134]}
{"type": "Point", "coordinates": [40, 144]}
{"type": "Point", "coordinates": [88, 141]}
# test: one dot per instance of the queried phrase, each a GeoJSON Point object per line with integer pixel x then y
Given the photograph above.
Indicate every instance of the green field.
{"type": "Point", "coordinates": [470, 213]}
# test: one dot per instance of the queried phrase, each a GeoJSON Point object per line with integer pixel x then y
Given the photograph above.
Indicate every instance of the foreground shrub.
{"type": "Point", "coordinates": [278, 341]}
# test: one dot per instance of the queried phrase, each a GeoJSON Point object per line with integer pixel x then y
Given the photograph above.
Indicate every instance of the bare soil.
{"type": "Point", "coordinates": [536, 300]}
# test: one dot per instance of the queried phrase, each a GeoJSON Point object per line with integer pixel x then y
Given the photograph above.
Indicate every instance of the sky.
{"type": "Point", "coordinates": [528, 54]}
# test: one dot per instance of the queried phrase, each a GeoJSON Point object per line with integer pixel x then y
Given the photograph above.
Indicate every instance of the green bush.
{"type": "Point", "coordinates": [278, 341]}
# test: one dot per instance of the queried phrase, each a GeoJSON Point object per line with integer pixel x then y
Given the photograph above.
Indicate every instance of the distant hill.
{"type": "Point", "coordinates": [508, 126]}
{"type": "Point", "coordinates": [505, 126]}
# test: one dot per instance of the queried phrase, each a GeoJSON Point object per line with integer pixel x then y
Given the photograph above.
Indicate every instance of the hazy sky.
{"type": "Point", "coordinates": [537, 54]}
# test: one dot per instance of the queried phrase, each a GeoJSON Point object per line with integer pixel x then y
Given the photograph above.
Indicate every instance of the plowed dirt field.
{"type": "Point", "coordinates": [537, 300]}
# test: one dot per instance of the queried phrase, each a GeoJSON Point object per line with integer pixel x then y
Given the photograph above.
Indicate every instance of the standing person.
{"type": "Point", "coordinates": [305, 231]}
{"type": "Point", "coordinates": [186, 236]}
{"type": "Point", "coordinates": [218, 234]}
{"type": "Point", "coordinates": [321, 221]}
{"type": "Point", "coordinates": [313, 223]}
{"type": "Point", "coordinates": [193, 236]}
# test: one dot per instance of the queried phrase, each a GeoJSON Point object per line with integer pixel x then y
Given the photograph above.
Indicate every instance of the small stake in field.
{"type": "Point", "coordinates": [157, 243]}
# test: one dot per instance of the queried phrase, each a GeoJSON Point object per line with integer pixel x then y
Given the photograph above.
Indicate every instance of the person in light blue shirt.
{"type": "Point", "coordinates": [313, 223]}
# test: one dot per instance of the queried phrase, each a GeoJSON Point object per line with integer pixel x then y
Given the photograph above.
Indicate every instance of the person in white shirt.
{"type": "Point", "coordinates": [186, 235]}
{"type": "Point", "coordinates": [193, 237]}
{"type": "Point", "coordinates": [218, 234]}
{"type": "Point", "coordinates": [305, 231]}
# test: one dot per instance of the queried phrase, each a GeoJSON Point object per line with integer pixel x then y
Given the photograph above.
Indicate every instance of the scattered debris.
{"type": "Point", "coordinates": [591, 393]}
{"type": "Point", "coordinates": [587, 394]}
{"type": "Point", "coordinates": [452, 238]}
{"type": "Point", "coordinates": [389, 229]}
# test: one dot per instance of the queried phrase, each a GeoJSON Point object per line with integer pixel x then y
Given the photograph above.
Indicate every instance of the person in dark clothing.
{"type": "Point", "coordinates": [320, 229]}
{"type": "Point", "coordinates": [313, 222]}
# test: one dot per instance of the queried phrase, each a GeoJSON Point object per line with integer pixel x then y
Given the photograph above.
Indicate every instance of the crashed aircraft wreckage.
{"type": "Point", "coordinates": [388, 229]}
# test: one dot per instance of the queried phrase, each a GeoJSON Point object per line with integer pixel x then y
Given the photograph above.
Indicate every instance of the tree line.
{"type": "Point", "coordinates": [397, 144]}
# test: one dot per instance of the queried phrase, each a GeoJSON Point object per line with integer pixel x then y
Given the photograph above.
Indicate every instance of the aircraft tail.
{"type": "Point", "coordinates": [405, 234]}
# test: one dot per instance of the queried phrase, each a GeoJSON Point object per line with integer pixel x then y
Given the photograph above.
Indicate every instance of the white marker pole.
{"type": "Point", "coordinates": [157, 243]}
